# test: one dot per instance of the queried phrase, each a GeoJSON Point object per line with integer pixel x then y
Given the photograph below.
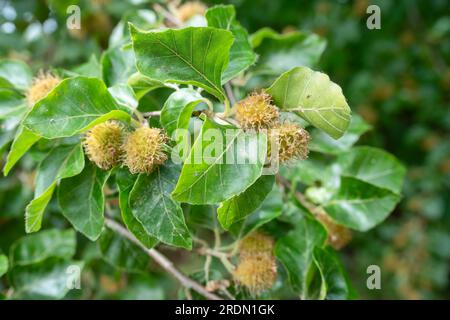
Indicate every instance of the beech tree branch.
{"type": "Point", "coordinates": [160, 259]}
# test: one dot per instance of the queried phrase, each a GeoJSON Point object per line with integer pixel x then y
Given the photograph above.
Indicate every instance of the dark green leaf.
{"type": "Point", "coordinates": [295, 251]}
{"type": "Point", "coordinates": [241, 205]}
{"type": "Point", "coordinates": [334, 282]}
{"type": "Point", "coordinates": [196, 56]}
{"type": "Point", "coordinates": [23, 141]}
{"type": "Point", "coordinates": [241, 52]}
{"type": "Point", "coordinates": [153, 206]}
{"type": "Point", "coordinates": [359, 205]}
{"type": "Point", "coordinates": [45, 280]}
{"type": "Point", "coordinates": [279, 53]}
{"type": "Point", "coordinates": [3, 264]}
{"type": "Point", "coordinates": [87, 215]}
{"type": "Point", "coordinates": [373, 166]}
{"type": "Point", "coordinates": [322, 142]}
{"type": "Point", "coordinates": [61, 162]}
{"type": "Point", "coordinates": [121, 253]}
{"type": "Point", "coordinates": [178, 109]}
{"type": "Point", "coordinates": [17, 73]}
{"type": "Point", "coordinates": [43, 245]}
{"type": "Point", "coordinates": [125, 182]}
{"type": "Point", "coordinates": [210, 179]}
{"type": "Point", "coordinates": [314, 97]}
{"type": "Point", "coordinates": [74, 106]}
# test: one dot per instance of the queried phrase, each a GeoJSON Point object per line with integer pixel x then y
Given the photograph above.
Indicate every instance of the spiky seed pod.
{"type": "Point", "coordinates": [255, 243]}
{"type": "Point", "coordinates": [103, 144]}
{"type": "Point", "coordinates": [256, 270]}
{"type": "Point", "coordinates": [257, 112]}
{"type": "Point", "coordinates": [190, 9]}
{"type": "Point", "coordinates": [41, 86]}
{"type": "Point", "coordinates": [144, 150]}
{"type": "Point", "coordinates": [257, 273]}
{"type": "Point", "coordinates": [291, 140]}
{"type": "Point", "coordinates": [338, 236]}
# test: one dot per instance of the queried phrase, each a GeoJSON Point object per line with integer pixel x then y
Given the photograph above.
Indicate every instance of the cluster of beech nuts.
{"type": "Point", "coordinates": [256, 270]}
{"type": "Point", "coordinates": [109, 144]}
{"type": "Point", "coordinates": [256, 112]}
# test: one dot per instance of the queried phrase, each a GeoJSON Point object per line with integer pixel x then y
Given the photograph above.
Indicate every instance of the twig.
{"type": "Point", "coordinates": [166, 14]}
{"type": "Point", "coordinates": [230, 93]}
{"type": "Point", "coordinates": [160, 259]}
{"type": "Point", "coordinates": [151, 114]}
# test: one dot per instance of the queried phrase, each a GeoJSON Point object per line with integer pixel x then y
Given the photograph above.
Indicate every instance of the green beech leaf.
{"type": "Point", "coordinates": [142, 84]}
{"type": "Point", "coordinates": [74, 106]}
{"type": "Point", "coordinates": [152, 205]}
{"type": "Point", "coordinates": [321, 142]}
{"type": "Point", "coordinates": [11, 103]}
{"type": "Point", "coordinates": [125, 96]}
{"type": "Point", "coordinates": [17, 73]}
{"type": "Point", "coordinates": [279, 53]}
{"type": "Point", "coordinates": [125, 182]}
{"type": "Point", "coordinates": [85, 215]}
{"type": "Point", "coordinates": [295, 251]}
{"type": "Point", "coordinates": [241, 205]}
{"type": "Point", "coordinates": [270, 209]}
{"type": "Point", "coordinates": [43, 245]}
{"type": "Point", "coordinates": [208, 178]}
{"type": "Point", "coordinates": [118, 64]}
{"type": "Point", "coordinates": [121, 253]}
{"type": "Point", "coordinates": [61, 162]}
{"type": "Point", "coordinates": [3, 264]}
{"type": "Point", "coordinates": [314, 97]}
{"type": "Point", "coordinates": [45, 280]}
{"type": "Point", "coordinates": [335, 285]}
{"type": "Point", "coordinates": [91, 68]}
{"type": "Point", "coordinates": [178, 108]}
{"type": "Point", "coordinates": [194, 55]}
{"type": "Point", "coordinates": [373, 166]}
{"type": "Point", "coordinates": [241, 52]}
{"type": "Point", "coordinates": [359, 205]}
{"type": "Point", "coordinates": [23, 141]}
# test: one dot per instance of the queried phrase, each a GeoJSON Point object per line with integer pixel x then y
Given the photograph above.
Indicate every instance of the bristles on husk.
{"type": "Point", "coordinates": [144, 150]}
{"type": "Point", "coordinates": [291, 140]}
{"type": "Point", "coordinates": [257, 112]}
{"type": "Point", "coordinates": [41, 86]}
{"type": "Point", "coordinates": [103, 144]}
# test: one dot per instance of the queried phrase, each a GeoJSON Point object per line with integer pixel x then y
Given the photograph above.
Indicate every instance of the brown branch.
{"type": "Point", "coordinates": [160, 259]}
{"type": "Point", "coordinates": [230, 93]}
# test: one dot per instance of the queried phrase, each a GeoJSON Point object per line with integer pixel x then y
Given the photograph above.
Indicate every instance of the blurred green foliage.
{"type": "Point", "coordinates": [397, 78]}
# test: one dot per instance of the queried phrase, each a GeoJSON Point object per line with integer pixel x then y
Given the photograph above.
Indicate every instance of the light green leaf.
{"type": "Point", "coordinates": [16, 73]}
{"type": "Point", "coordinates": [45, 280]}
{"type": "Point", "coordinates": [314, 97]}
{"type": "Point", "coordinates": [118, 64]}
{"type": "Point", "coordinates": [23, 141]}
{"type": "Point", "coordinates": [241, 52]}
{"type": "Point", "coordinates": [241, 205]}
{"type": "Point", "coordinates": [124, 96]}
{"type": "Point", "coordinates": [335, 286]}
{"type": "Point", "coordinates": [86, 216]}
{"type": "Point", "coordinates": [295, 251]}
{"type": "Point", "coordinates": [359, 205]}
{"type": "Point", "coordinates": [142, 84]}
{"type": "Point", "coordinates": [43, 245]}
{"type": "Point", "coordinates": [373, 166]}
{"type": "Point", "coordinates": [194, 55]}
{"type": "Point", "coordinates": [125, 182]}
{"type": "Point", "coordinates": [213, 178]}
{"type": "Point", "coordinates": [121, 253]}
{"type": "Point", "coordinates": [323, 143]}
{"type": "Point", "coordinates": [279, 53]}
{"type": "Point", "coordinates": [178, 108]}
{"type": "Point", "coordinates": [74, 106]}
{"type": "Point", "coordinates": [11, 103]}
{"type": "Point", "coordinates": [3, 264]}
{"type": "Point", "coordinates": [152, 205]}
{"type": "Point", "coordinates": [91, 68]}
{"type": "Point", "coordinates": [61, 162]}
